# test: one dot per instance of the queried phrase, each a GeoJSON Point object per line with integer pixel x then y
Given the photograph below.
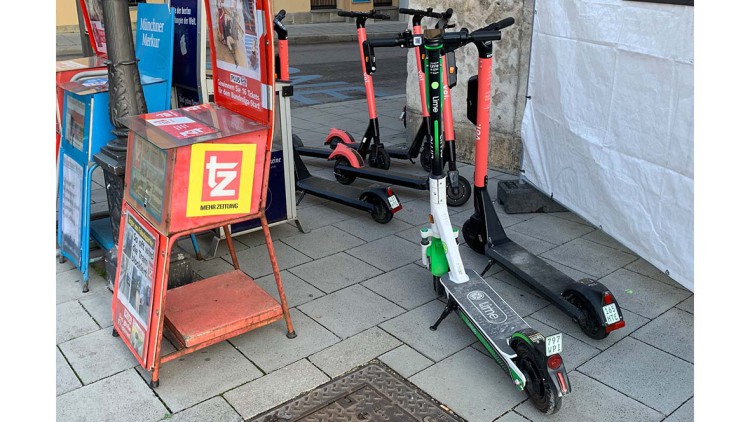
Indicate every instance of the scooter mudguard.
{"type": "Point", "coordinates": [338, 133]}
{"type": "Point", "coordinates": [351, 155]}
{"type": "Point", "coordinates": [559, 376]}
{"type": "Point", "coordinates": [594, 292]}
{"type": "Point", "coordinates": [437, 259]}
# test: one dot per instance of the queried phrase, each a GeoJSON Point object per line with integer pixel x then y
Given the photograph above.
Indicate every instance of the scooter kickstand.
{"type": "Point", "coordinates": [449, 307]}
{"type": "Point", "coordinates": [490, 263]}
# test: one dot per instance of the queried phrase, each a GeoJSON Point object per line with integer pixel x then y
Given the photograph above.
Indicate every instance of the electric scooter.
{"type": "Point", "coordinates": [380, 202]}
{"type": "Point", "coordinates": [349, 162]}
{"type": "Point", "coordinates": [532, 361]}
{"type": "Point", "coordinates": [587, 301]}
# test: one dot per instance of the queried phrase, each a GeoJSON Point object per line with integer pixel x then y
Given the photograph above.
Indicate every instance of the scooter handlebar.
{"type": "Point", "coordinates": [427, 13]}
{"type": "Point", "coordinates": [280, 16]}
{"type": "Point", "coordinates": [367, 15]}
{"type": "Point", "coordinates": [401, 40]}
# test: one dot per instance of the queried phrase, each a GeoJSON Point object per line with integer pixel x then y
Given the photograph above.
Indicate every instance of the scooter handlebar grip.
{"type": "Point", "coordinates": [503, 23]}
{"type": "Point", "coordinates": [381, 16]}
{"type": "Point", "coordinates": [385, 42]}
{"type": "Point", "coordinates": [280, 16]}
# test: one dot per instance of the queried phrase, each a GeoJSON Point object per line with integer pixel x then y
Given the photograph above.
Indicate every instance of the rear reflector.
{"type": "Point", "coordinates": [563, 386]}
{"type": "Point", "coordinates": [554, 361]}
{"type": "Point", "coordinates": [608, 298]}
{"type": "Point", "coordinates": [615, 326]}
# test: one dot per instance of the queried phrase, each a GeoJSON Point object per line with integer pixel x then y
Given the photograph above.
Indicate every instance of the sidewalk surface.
{"type": "Point", "coordinates": [358, 292]}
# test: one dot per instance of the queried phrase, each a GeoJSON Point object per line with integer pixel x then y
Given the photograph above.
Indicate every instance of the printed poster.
{"type": "Point", "coordinates": [72, 202]}
{"type": "Point", "coordinates": [178, 125]}
{"type": "Point", "coordinates": [75, 122]}
{"type": "Point", "coordinates": [236, 39]}
{"type": "Point", "coordinates": [96, 19]}
{"type": "Point", "coordinates": [148, 176]}
{"type": "Point", "coordinates": [135, 283]}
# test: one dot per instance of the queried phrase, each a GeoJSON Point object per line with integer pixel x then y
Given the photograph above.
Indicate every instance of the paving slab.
{"type": "Point", "coordinates": [602, 238]}
{"type": "Point", "coordinates": [387, 253]}
{"type": "Point", "coordinates": [278, 232]}
{"type": "Point", "coordinates": [643, 295]}
{"type": "Point", "coordinates": [256, 262]}
{"type": "Point", "coordinates": [367, 229]}
{"type": "Point", "coordinates": [555, 318]}
{"type": "Point", "coordinates": [348, 311]}
{"type": "Point", "coordinates": [72, 321]}
{"type": "Point", "coordinates": [61, 267]}
{"type": "Point", "coordinates": [671, 332]}
{"type": "Point", "coordinates": [471, 384]}
{"type": "Point", "coordinates": [684, 414]}
{"type": "Point", "coordinates": [206, 268]}
{"type": "Point", "coordinates": [571, 216]}
{"type": "Point", "coordinates": [121, 397]}
{"type": "Point", "coordinates": [200, 375]}
{"type": "Point", "coordinates": [335, 272]}
{"type": "Point", "coordinates": [413, 328]}
{"type": "Point", "coordinates": [552, 229]}
{"type": "Point", "coordinates": [318, 216]}
{"type": "Point", "coordinates": [575, 352]}
{"type": "Point", "coordinates": [408, 287]}
{"type": "Point", "coordinates": [589, 257]}
{"type": "Point", "coordinates": [68, 285]}
{"type": "Point", "coordinates": [659, 380]}
{"type": "Point", "coordinates": [215, 409]}
{"type": "Point", "coordinates": [688, 305]}
{"type": "Point", "coordinates": [323, 242]}
{"type": "Point", "coordinates": [99, 305]}
{"type": "Point", "coordinates": [354, 351]}
{"type": "Point", "coordinates": [275, 388]}
{"type": "Point", "coordinates": [414, 213]}
{"type": "Point", "coordinates": [524, 302]}
{"type": "Point", "coordinates": [65, 378]}
{"type": "Point", "coordinates": [531, 244]}
{"type": "Point", "coordinates": [98, 355]}
{"type": "Point", "coordinates": [641, 266]}
{"type": "Point", "coordinates": [591, 400]}
{"type": "Point", "coordinates": [511, 417]}
{"type": "Point", "coordinates": [269, 348]}
{"type": "Point", "coordinates": [405, 360]}
{"type": "Point", "coordinates": [205, 240]}
{"type": "Point", "coordinates": [297, 290]}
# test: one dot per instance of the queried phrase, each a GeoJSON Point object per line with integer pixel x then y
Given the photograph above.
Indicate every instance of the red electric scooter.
{"type": "Point", "coordinates": [587, 301]}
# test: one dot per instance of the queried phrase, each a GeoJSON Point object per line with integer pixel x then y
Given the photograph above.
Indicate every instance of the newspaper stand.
{"type": "Point", "coordinates": [86, 127]}
{"type": "Point", "coordinates": [190, 170]}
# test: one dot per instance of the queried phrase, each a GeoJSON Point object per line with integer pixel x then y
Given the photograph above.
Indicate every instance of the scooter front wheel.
{"type": "Point", "coordinates": [463, 195]}
{"type": "Point", "coordinates": [380, 160]}
{"type": "Point", "coordinates": [539, 387]}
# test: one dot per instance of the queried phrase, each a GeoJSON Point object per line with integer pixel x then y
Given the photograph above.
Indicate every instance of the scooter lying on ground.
{"type": "Point", "coordinates": [532, 361]}
{"type": "Point", "coordinates": [587, 301]}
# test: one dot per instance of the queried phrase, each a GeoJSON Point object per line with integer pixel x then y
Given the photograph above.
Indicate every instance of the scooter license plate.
{"type": "Point", "coordinates": [554, 344]}
{"type": "Point", "coordinates": [393, 201]}
{"type": "Point", "coordinates": [610, 313]}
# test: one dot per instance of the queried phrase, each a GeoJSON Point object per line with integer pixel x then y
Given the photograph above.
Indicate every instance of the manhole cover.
{"type": "Point", "coordinates": [371, 393]}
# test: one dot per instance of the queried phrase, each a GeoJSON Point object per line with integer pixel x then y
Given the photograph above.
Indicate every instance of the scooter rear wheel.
{"type": "Point", "coordinates": [341, 177]}
{"type": "Point", "coordinates": [539, 387]}
{"type": "Point", "coordinates": [381, 212]}
{"type": "Point", "coordinates": [472, 231]}
{"type": "Point", "coordinates": [463, 195]}
{"type": "Point", "coordinates": [590, 323]}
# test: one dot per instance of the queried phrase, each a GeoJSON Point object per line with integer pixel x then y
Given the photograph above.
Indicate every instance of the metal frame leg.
{"type": "Point", "coordinates": [277, 275]}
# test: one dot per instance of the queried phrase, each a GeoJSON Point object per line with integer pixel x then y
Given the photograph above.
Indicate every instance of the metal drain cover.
{"type": "Point", "coordinates": [371, 393]}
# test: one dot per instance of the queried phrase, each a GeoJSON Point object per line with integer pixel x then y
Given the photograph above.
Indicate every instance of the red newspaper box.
{"type": "Point", "coordinates": [190, 170]}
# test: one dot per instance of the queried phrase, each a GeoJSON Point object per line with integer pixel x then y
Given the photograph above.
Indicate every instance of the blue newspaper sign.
{"type": "Point", "coordinates": [154, 40]}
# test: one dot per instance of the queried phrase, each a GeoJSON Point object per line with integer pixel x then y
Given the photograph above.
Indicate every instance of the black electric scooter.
{"type": "Point", "coordinates": [531, 360]}
{"type": "Point", "coordinates": [587, 301]}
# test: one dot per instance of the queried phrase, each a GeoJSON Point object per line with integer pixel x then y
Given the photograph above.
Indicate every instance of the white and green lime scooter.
{"type": "Point", "coordinates": [532, 361]}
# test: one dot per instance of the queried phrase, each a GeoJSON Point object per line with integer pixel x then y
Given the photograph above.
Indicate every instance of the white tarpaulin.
{"type": "Point", "coordinates": [608, 130]}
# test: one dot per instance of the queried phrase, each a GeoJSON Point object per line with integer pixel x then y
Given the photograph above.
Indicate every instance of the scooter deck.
{"type": "Point", "coordinates": [542, 276]}
{"type": "Point", "coordinates": [491, 315]}
{"type": "Point", "coordinates": [334, 191]}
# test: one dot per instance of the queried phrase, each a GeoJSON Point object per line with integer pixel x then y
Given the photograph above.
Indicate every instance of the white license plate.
{"type": "Point", "coordinates": [393, 201]}
{"type": "Point", "coordinates": [610, 313]}
{"type": "Point", "coordinates": [554, 344]}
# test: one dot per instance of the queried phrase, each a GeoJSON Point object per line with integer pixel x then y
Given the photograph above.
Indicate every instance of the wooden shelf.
{"type": "Point", "coordinates": [212, 308]}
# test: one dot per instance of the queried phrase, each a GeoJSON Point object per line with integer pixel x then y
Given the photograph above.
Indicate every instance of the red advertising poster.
{"type": "Point", "coordinates": [177, 125]}
{"type": "Point", "coordinates": [238, 34]}
{"type": "Point", "coordinates": [94, 17]}
{"type": "Point", "coordinates": [135, 282]}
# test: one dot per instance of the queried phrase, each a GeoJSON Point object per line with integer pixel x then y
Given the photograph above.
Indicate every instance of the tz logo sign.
{"type": "Point", "coordinates": [222, 175]}
{"type": "Point", "coordinates": [221, 179]}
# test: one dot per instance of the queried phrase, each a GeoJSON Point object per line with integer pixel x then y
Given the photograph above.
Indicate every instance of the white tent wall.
{"type": "Point", "coordinates": [608, 131]}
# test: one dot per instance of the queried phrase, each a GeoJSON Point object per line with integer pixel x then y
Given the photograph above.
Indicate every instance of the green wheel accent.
{"type": "Point", "coordinates": [438, 261]}
{"type": "Point", "coordinates": [523, 337]}
{"type": "Point", "coordinates": [500, 361]}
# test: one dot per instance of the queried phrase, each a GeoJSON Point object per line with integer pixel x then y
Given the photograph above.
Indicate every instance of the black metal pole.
{"type": "Point", "coordinates": [125, 99]}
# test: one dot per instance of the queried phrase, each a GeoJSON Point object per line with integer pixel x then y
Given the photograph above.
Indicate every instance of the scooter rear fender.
{"type": "Point", "coordinates": [338, 133]}
{"type": "Point", "coordinates": [593, 291]}
{"type": "Point", "coordinates": [558, 376]}
{"type": "Point", "coordinates": [351, 155]}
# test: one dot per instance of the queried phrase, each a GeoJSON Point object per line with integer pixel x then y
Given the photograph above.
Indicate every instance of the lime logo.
{"type": "Point", "coordinates": [435, 85]}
